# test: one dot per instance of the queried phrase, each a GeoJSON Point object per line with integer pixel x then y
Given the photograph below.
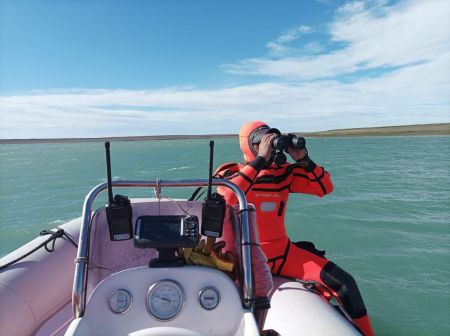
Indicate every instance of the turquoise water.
{"type": "Point", "coordinates": [387, 222]}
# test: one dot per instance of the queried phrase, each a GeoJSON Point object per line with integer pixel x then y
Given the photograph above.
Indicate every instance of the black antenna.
{"type": "Point", "coordinates": [108, 172]}
{"type": "Point", "coordinates": [211, 156]}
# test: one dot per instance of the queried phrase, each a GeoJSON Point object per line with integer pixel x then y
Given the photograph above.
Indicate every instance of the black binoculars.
{"type": "Point", "coordinates": [283, 142]}
{"type": "Point", "coordinates": [280, 143]}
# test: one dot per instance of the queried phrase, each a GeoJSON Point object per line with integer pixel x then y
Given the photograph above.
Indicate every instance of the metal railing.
{"type": "Point", "coordinates": [81, 261]}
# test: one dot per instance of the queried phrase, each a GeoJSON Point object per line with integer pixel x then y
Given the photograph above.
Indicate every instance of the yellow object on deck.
{"type": "Point", "coordinates": [209, 254]}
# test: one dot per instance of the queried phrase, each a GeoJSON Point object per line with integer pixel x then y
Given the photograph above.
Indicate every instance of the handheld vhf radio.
{"type": "Point", "coordinates": [213, 212]}
{"type": "Point", "coordinates": [118, 210]}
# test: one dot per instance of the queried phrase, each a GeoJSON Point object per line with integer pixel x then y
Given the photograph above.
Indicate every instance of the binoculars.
{"type": "Point", "coordinates": [283, 142]}
{"type": "Point", "coordinates": [280, 143]}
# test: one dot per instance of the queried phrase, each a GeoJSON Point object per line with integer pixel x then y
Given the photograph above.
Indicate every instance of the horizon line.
{"type": "Point", "coordinates": [413, 129]}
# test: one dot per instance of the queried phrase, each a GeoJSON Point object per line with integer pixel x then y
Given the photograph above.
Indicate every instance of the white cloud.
{"type": "Point", "coordinates": [352, 7]}
{"type": "Point", "coordinates": [313, 48]}
{"type": "Point", "coordinates": [398, 98]}
{"type": "Point", "coordinates": [325, 2]}
{"type": "Point", "coordinates": [374, 37]}
{"type": "Point", "coordinates": [280, 46]}
{"type": "Point", "coordinates": [293, 34]}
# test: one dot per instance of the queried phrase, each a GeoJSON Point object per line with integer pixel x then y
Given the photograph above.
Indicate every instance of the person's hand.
{"type": "Point", "coordinates": [265, 148]}
{"type": "Point", "coordinates": [297, 154]}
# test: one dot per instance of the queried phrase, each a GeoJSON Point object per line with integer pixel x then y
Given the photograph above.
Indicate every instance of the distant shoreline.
{"type": "Point", "coordinates": [406, 130]}
{"type": "Point", "coordinates": [423, 129]}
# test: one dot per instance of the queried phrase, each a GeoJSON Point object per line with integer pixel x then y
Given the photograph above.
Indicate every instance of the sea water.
{"type": "Point", "coordinates": [386, 222]}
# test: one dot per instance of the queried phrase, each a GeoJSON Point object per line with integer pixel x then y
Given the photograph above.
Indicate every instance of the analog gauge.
{"type": "Point", "coordinates": [165, 300]}
{"type": "Point", "coordinates": [209, 298]}
{"type": "Point", "coordinates": [120, 301]}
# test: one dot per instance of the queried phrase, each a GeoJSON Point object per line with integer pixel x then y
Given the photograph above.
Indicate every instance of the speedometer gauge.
{"type": "Point", "coordinates": [165, 300]}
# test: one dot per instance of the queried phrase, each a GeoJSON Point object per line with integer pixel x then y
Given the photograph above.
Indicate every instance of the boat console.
{"type": "Point", "coordinates": [161, 295]}
{"type": "Point", "coordinates": [166, 297]}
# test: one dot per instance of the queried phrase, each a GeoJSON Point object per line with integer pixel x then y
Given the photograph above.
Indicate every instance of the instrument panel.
{"type": "Point", "coordinates": [165, 300]}
{"type": "Point", "coordinates": [142, 297]}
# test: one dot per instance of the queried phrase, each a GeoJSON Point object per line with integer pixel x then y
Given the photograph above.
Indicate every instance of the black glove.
{"type": "Point", "coordinates": [306, 163]}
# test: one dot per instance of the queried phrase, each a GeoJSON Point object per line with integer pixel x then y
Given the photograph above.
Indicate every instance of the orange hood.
{"type": "Point", "coordinates": [248, 130]}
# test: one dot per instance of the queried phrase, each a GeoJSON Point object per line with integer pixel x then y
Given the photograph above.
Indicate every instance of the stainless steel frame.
{"type": "Point", "coordinates": [81, 262]}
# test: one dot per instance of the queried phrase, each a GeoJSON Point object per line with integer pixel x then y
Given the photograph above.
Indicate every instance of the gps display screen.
{"type": "Point", "coordinates": [165, 231]}
{"type": "Point", "coordinates": [160, 228]}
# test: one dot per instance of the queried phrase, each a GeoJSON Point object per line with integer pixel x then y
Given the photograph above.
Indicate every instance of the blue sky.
{"type": "Point", "coordinates": [118, 68]}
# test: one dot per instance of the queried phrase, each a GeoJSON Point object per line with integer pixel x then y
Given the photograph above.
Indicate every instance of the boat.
{"type": "Point", "coordinates": [97, 275]}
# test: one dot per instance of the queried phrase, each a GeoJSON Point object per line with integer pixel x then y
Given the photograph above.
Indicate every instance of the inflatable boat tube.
{"type": "Point", "coordinates": [38, 287]}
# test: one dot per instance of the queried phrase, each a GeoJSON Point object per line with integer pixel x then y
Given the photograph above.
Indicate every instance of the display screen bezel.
{"type": "Point", "coordinates": [163, 232]}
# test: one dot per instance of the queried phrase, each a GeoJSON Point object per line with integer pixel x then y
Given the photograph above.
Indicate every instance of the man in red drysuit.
{"type": "Point", "coordinates": [267, 186]}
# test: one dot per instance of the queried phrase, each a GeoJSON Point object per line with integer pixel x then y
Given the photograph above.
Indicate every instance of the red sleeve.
{"type": "Point", "coordinates": [314, 181]}
{"type": "Point", "coordinates": [242, 175]}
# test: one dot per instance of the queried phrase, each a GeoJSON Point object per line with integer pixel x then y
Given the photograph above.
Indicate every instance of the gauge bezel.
{"type": "Point", "coordinates": [154, 287]}
{"type": "Point", "coordinates": [129, 306]}
{"type": "Point", "coordinates": [205, 289]}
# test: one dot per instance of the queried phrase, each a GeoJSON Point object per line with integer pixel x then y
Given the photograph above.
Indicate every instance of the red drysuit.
{"type": "Point", "coordinates": [268, 188]}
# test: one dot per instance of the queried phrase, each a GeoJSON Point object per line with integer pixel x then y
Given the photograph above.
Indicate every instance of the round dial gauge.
{"type": "Point", "coordinates": [209, 298]}
{"type": "Point", "coordinates": [165, 300]}
{"type": "Point", "coordinates": [120, 301]}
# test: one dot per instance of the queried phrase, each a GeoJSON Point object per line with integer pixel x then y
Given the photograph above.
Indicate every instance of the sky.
{"type": "Point", "coordinates": [130, 68]}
